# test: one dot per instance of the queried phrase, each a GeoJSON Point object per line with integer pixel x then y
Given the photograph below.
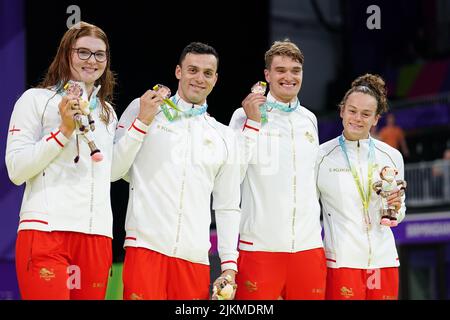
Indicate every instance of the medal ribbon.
{"type": "Point", "coordinates": [93, 102]}
{"type": "Point", "coordinates": [274, 105]}
{"type": "Point", "coordinates": [364, 198]}
{"type": "Point", "coordinates": [178, 113]}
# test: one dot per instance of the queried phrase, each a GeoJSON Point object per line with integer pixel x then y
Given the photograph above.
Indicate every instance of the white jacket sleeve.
{"type": "Point", "coordinates": [319, 155]}
{"type": "Point", "coordinates": [226, 199]}
{"type": "Point", "coordinates": [130, 134]}
{"type": "Point", "coordinates": [28, 152]}
{"type": "Point", "coordinates": [317, 170]}
{"type": "Point", "coordinates": [247, 134]}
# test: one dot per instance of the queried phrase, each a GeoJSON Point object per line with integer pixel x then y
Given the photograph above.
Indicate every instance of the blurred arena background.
{"type": "Point", "coordinates": [411, 50]}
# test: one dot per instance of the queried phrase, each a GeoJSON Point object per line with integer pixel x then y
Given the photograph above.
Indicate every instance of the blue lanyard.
{"type": "Point", "coordinates": [274, 105]}
{"type": "Point", "coordinates": [176, 113]}
{"type": "Point", "coordinates": [93, 104]}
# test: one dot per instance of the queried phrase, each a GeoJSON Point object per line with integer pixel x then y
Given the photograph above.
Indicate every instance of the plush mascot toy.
{"type": "Point", "coordinates": [384, 188]}
{"type": "Point", "coordinates": [84, 121]}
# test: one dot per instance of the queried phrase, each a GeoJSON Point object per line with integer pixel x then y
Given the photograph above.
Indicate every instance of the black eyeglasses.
{"type": "Point", "coordinates": [85, 54]}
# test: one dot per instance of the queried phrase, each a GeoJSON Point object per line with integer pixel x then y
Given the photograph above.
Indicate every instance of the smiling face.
{"type": "Point", "coordinates": [285, 77]}
{"type": "Point", "coordinates": [197, 76]}
{"type": "Point", "coordinates": [359, 115]}
{"type": "Point", "coordinates": [87, 71]}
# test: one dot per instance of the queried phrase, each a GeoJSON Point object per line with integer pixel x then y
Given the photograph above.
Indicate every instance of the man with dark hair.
{"type": "Point", "coordinates": [198, 48]}
{"type": "Point", "coordinates": [185, 156]}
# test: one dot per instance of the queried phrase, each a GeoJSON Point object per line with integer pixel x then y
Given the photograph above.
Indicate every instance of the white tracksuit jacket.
{"type": "Point", "coordinates": [60, 194]}
{"type": "Point", "coordinates": [280, 208]}
{"type": "Point", "coordinates": [348, 243]}
{"type": "Point", "coordinates": [171, 180]}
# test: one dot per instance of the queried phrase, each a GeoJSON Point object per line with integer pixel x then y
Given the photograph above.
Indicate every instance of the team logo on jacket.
{"type": "Point", "coordinates": [309, 136]}
{"type": "Point", "coordinates": [208, 144]}
{"type": "Point", "coordinates": [135, 296]}
{"type": "Point", "coordinates": [98, 284]}
{"type": "Point", "coordinates": [251, 286]}
{"type": "Point", "coordinates": [46, 274]}
{"type": "Point", "coordinates": [346, 292]}
{"type": "Point", "coordinates": [318, 291]}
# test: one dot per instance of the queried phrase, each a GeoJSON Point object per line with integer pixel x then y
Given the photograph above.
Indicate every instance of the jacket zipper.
{"type": "Point", "coordinates": [366, 214]}
{"type": "Point", "coordinates": [294, 186]}
{"type": "Point", "coordinates": [44, 183]}
{"type": "Point", "coordinates": [183, 183]}
{"type": "Point", "coordinates": [91, 206]}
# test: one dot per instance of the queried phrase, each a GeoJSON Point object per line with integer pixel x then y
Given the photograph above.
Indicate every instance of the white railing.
{"type": "Point", "coordinates": [442, 98]}
{"type": "Point", "coordinates": [428, 183]}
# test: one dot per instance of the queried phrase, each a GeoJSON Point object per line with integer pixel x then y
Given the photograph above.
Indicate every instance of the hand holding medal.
{"type": "Point", "coordinates": [224, 288]}
{"type": "Point", "coordinates": [176, 113]}
{"type": "Point", "coordinates": [73, 89]}
{"type": "Point", "coordinates": [254, 103]}
{"type": "Point", "coordinates": [150, 102]}
{"type": "Point", "coordinates": [83, 119]}
{"type": "Point", "coordinates": [259, 87]}
{"type": "Point", "coordinates": [165, 94]}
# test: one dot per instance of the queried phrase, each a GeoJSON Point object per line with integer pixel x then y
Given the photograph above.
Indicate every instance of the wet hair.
{"type": "Point", "coordinates": [198, 48]}
{"type": "Point", "coordinates": [283, 48]}
{"type": "Point", "coordinates": [59, 71]}
{"type": "Point", "coordinates": [372, 85]}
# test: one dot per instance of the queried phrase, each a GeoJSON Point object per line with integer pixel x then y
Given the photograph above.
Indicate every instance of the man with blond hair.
{"type": "Point", "coordinates": [281, 251]}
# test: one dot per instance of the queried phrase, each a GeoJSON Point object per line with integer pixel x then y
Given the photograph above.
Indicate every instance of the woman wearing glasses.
{"type": "Point", "coordinates": [361, 254]}
{"type": "Point", "coordinates": [63, 247]}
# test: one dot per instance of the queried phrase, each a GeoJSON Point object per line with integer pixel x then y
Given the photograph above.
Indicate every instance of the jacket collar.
{"type": "Point", "coordinates": [292, 103]}
{"type": "Point", "coordinates": [184, 105]}
{"type": "Point", "coordinates": [355, 143]}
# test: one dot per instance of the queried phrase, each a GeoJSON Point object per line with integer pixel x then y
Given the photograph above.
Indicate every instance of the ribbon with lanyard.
{"type": "Point", "coordinates": [260, 88]}
{"type": "Point", "coordinates": [365, 198]}
{"type": "Point", "coordinates": [274, 105]}
{"type": "Point", "coordinates": [72, 87]}
{"type": "Point", "coordinates": [178, 113]}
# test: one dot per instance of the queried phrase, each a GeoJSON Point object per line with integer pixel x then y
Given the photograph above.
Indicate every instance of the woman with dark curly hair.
{"type": "Point", "coordinates": [361, 255]}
